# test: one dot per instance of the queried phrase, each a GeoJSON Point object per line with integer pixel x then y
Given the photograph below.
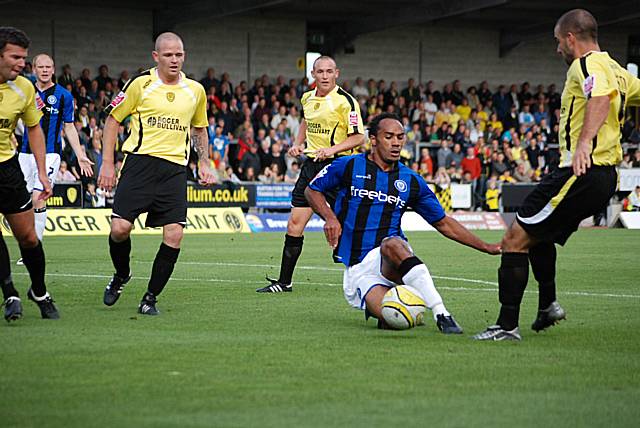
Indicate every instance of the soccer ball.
{"type": "Point", "coordinates": [403, 307]}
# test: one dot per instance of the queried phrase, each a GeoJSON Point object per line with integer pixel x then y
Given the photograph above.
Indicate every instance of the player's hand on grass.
{"type": "Point", "coordinates": [86, 166]}
{"type": "Point", "coordinates": [107, 176]}
{"type": "Point", "coordinates": [332, 231]}
{"type": "Point", "coordinates": [295, 150]}
{"type": "Point", "coordinates": [207, 177]}
{"type": "Point", "coordinates": [581, 159]}
{"type": "Point", "coordinates": [46, 186]}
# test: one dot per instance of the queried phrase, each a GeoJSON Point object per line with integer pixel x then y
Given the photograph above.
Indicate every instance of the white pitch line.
{"type": "Point", "coordinates": [215, 280]}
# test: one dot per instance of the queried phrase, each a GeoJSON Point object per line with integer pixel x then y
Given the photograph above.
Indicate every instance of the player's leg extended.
{"type": "Point", "coordinates": [513, 275]}
{"type": "Point", "coordinates": [542, 257]}
{"type": "Point", "coordinates": [401, 266]}
{"type": "Point", "coordinates": [120, 251]}
{"type": "Point", "coordinates": [12, 304]}
{"type": "Point", "coordinates": [22, 226]}
{"type": "Point", "coordinates": [293, 241]}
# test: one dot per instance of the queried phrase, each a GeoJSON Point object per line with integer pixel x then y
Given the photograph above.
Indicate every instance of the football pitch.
{"type": "Point", "coordinates": [221, 354]}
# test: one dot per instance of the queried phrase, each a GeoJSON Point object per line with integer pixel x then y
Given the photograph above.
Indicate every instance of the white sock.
{"type": "Point", "coordinates": [41, 221]}
{"type": "Point", "coordinates": [420, 279]}
{"type": "Point", "coordinates": [39, 299]}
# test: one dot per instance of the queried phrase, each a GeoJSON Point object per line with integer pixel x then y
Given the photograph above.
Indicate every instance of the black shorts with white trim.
{"type": "Point", "coordinates": [14, 197]}
{"type": "Point", "coordinates": [555, 208]}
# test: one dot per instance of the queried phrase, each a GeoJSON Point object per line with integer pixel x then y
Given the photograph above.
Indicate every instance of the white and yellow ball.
{"type": "Point", "coordinates": [403, 307]}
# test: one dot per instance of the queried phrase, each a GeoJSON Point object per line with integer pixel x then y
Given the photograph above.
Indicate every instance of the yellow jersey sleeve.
{"type": "Point", "coordinates": [350, 117]}
{"type": "Point", "coordinates": [598, 78]}
{"type": "Point", "coordinates": [200, 116]}
{"type": "Point", "coordinates": [633, 90]}
{"type": "Point", "coordinates": [125, 103]}
{"type": "Point", "coordinates": [31, 115]}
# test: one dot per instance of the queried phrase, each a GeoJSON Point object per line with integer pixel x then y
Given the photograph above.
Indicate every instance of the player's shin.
{"type": "Point", "coordinates": [162, 268]}
{"type": "Point", "coordinates": [512, 281]}
{"type": "Point", "coordinates": [120, 252]}
{"type": "Point", "coordinates": [8, 290]}
{"type": "Point", "coordinates": [543, 265]}
{"type": "Point", "coordinates": [40, 215]}
{"type": "Point", "coordinates": [415, 274]}
{"type": "Point", "coordinates": [34, 261]}
{"type": "Point", "coordinates": [290, 254]}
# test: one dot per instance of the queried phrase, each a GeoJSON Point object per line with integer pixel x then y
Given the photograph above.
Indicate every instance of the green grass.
{"type": "Point", "coordinates": [222, 355]}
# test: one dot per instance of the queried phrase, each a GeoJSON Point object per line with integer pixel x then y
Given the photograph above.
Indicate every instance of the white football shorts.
{"type": "Point", "coordinates": [359, 279]}
{"type": "Point", "coordinates": [30, 170]}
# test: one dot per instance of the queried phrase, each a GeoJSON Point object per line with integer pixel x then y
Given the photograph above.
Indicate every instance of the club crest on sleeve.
{"type": "Point", "coordinates": [118, 99]}
{"type": "Point", "coordinates": [588, 85]}
{"type": "Point", "coordinates": [401, 185]}
{"type": "Point", "coordinates": [353, 118]}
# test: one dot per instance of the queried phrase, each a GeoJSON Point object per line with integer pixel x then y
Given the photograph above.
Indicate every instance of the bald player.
{"type": "Point", "coordinates": [57, 115]}
{"type": "Point", "coordinates": [164, 105]}
{"type": "Point", "coordinates": [331, 127]}
{"type": "Point", "coordinates": [596, 92]}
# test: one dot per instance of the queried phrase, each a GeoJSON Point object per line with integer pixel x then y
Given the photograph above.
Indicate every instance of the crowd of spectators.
{"type": "Point", "coordinates": [479, 135]}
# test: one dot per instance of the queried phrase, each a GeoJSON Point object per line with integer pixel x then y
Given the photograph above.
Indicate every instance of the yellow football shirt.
{"type": "Point", "coordinates": [330, 119]}
{"type": "Point", "coordinates": [18, 100]}
{"type": "Point", "coordinates": [161, 115]}
{"type": "Point", "coordinates": [596, 74]}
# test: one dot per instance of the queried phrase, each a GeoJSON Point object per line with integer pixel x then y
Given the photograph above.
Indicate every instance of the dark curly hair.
{"type": "Point", "coordinates": [375, 122]}
{"type": "Point", "coordinates": [13, 36]}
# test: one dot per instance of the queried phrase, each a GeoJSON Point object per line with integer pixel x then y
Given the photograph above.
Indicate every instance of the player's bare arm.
{"type": "Point", "coordinates": [86, 166]}
{"type": "Point", "coordinates": [332, 227]}
{"type": "Point", "coordinates": [201, 144]}
{"type": "Point", "coordinates": [453, 230]}
{"type": "Point", "coordinates": [298, 146]}
{"type": "Point", "coordinates": [352, 141]}
{"type": "Point", "coordinates": [36, 143]}
{"type": "Point", "coordinates": [107, 176]}
{"type": "Point", "coordinates": [594, 116]}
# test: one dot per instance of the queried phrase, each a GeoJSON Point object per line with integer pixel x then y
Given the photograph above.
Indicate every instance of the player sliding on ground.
{"type": "Point", "coordinates": [374, 190]}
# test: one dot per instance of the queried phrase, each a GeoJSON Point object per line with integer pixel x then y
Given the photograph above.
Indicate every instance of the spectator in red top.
{"type": "Point", "coordinates": [426, 163]}
{"type": "Point", "coordinates": [472, 164]}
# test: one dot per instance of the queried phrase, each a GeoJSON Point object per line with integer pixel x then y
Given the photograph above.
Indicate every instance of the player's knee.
{"type": "Point", "coordinates": [295, 227]}
{"type": "Point", "coordinates": [172, 236]}
{"type": "Point", "coordinates": [393, 248]}
{"type": "Point", "coordinates": [516, 240]}
{"type": "Point", "coordinates": [27, 239]}
{"type": "Point", "coordinates": [119, 231]}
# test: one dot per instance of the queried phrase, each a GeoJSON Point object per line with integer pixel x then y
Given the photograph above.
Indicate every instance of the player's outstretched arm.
{"type": "Point", "coordinates": [86, 166]}
{"type": "Point", "coordinates": [36, 143]}
{"type": "Point", "coordinates": [298, 145]}
{"type": "Point", "coordinates": [595, 114]}
{"type": "Point", "coordinates": [453, 230]}
{"type": "Point", "coordinates": [107, 177]}
{"type": "Point", "coordinates": [199, 138]}
{"type": "Point", "coordinates": [332, 228]}
{"type": "Point", "coordinates": [352, 141]}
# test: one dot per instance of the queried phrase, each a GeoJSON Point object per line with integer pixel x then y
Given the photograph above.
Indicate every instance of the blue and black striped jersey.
{"type": "Point", "coordinates": [370, 203]}
{"type": "Point", "coordinates": [57, 110]}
